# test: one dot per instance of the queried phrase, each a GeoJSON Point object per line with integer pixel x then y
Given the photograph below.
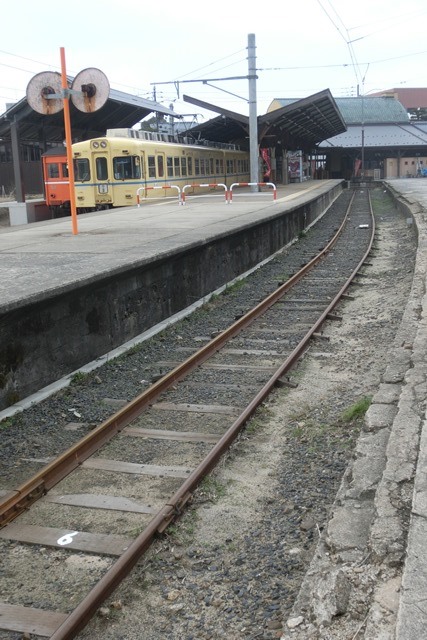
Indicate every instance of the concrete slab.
{"type": "Point", "coordinates": [39, 258]}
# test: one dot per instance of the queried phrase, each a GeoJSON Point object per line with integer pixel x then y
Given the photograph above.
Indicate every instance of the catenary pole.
{"type": "Point", "coordinates": [253, 122]}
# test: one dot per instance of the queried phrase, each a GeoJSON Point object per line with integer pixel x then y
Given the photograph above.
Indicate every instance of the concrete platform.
{"type": "Point", "coordinates": [68, 299]}
{"type": "Point", "coordinates": [45, 258]}
{"type": "Point", "coordinates": [407, 451]}
{"type": "Point", "coordinates": [378, 525]}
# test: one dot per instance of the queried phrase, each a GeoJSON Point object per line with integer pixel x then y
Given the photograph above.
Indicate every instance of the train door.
{"type": "Point", "coordinates": [156, 173]}
{"type": "Point", "coordinates": [102, 183]}
{"type": "Point", "coordinates": [161, 166]}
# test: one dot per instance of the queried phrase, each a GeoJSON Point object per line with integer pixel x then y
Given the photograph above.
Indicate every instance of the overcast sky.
{"type": "Point", "coordinates": [302, 47]}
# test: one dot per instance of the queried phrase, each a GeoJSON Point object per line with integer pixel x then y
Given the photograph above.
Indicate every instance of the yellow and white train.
{"type": "Point", "coordinates": [110, 171]}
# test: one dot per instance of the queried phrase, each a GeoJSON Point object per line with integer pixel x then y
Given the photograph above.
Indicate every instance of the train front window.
{"type": "Point", "coordinates": [53, 170]}
{"type": "Point", "coordinates": [127, 168]}
{"type": "Point", "coordinates": [101, 168]}
{"type": "Point", "coordinates": [81, 169]}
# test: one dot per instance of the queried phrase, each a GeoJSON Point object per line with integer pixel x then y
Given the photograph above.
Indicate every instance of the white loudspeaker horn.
{"type": "Point", "coordinates": [42, 85]}
{"type": "Point", "coordinates": [95, 89]}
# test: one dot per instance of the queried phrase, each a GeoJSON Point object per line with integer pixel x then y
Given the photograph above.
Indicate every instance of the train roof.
{"type": "Point", "coordinates": [124, 136]}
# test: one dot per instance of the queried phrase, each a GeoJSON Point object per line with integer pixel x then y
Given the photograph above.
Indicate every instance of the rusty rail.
{"type": "Point", "coordinates": [27, 493]}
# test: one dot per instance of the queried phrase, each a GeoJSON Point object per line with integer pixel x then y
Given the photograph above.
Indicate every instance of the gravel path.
{"type": "Point", "coordinates": [232, 566]}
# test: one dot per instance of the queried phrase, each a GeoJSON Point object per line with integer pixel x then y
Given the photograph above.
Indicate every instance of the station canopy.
{"type": "Point", "coordinates": [120, 110]}
{"type": "Point", "coordinates": [302, 124]}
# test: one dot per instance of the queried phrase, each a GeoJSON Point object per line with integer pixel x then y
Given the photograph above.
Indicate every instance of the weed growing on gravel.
{"type": "Point", "coordinates": [256, 422]}
{"type": "Point", "coordinates": [136, 348]}
{"type": "Point", "coordinates": [7, 423]}
{"type": "Point", "coordinates": [210, 489]}
{"type": "Point", "coordinates": [182, 531]}
{"type": "Point", "coordinates": [357, 410]}
{"type": "Point", "coordinates": [232, 288]}
{"type": "Point", "coordinates": [79, 378]}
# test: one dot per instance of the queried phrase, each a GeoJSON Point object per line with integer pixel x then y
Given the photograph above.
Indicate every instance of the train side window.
{"type": "Point", "coordinates": [217, 167]}
{"type": "Point", "coordinates": [190, 166]}
{"type": "Point", "coordinates": [101, 168]}
{"type": "Point", "coordinates": [221, 165]}
{"type": "Point", "coordinates": [197, 166]}
{"type": "Point", "coordinates": [183, 167]}
{"type": "Point", "coordinates": [169, 165]}
{"type": "Point", "coordinates": [127, 167]}
{"type": "Point", "coordinates": [82, 169]}
{"type": "Point", "coordinates": [160, 167]}
{"type": "Point", "coordinates": [53, 170]}
{"type": "Point", "coordinates": [202, 166]}
{"type": "Point", "coordinates": [230, 166]}
{"type": "Point", "coordinates": [211, 164]}
{"type": "Point", "coordinates": [177, 167]}
{"type": "Point", "coordinates": [151, 167]}
{"type": "Point", "coordinates": [136, 167]}
{"type": "Point", "coordinates": [64, 167]}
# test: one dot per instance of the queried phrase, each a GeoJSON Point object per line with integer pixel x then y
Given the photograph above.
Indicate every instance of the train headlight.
{"type": "Point", "coordinates": [95, 145]}
{"type": "Point", "coordinates": [103, 144]}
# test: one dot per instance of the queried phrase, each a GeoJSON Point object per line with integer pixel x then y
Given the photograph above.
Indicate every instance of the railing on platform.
{"type": "Point", "coordinates": [162, 186]}
{"type": "Point", "coordinates": [211, 185]}
{"type": "Point", "coordinates": [252, 184]}
{"type": "Point", "coordinates": [228, 193]}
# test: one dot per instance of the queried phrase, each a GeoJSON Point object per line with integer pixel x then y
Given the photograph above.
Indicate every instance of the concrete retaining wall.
{"type": "Point", "coordinates": [43, 341]}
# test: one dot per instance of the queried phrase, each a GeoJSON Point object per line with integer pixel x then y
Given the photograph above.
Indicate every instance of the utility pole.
{"type": "Point", "coordinates": [253, 122]}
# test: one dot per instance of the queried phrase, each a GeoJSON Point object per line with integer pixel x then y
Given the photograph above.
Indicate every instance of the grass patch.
{"type": "Point", "coordinates": [79, 378]}
{"type": "Point", "coordinates": [7, 423]}
{"type": "Point", "coordinates": [232, 288]}
{"type": "Point", "coordinates": [357, 410]}
{"type": "Point", "coordinates": [210, 489]}
{"type": "Point", "coordinates": [182, 531]}
{"type": "Point", "coordinates": [258, 419]}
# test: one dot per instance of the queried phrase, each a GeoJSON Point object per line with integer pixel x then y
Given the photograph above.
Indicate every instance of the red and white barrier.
{"type": "Point", "coordinates": [163, 186]}
{"type": "Point", "coordinates": [252, 184]}
{"type": "Point", "coordinates": [210, 185]}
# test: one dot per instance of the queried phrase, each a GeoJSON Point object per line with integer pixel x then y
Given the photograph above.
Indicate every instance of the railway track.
{"type": "Point", "coordinates": [142, 464]}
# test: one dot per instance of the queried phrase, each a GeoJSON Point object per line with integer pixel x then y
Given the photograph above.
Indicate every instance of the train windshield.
{"type": "Point", "coordinates": [81, 169]}
{"type": "Point", "coordinates": [126, 168]}
{"type": "Point", "coordinates": [53, 170]}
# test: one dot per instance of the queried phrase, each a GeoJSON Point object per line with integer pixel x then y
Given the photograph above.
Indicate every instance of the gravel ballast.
{"type": "Point", "coordinates": [233, 564]}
